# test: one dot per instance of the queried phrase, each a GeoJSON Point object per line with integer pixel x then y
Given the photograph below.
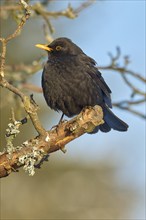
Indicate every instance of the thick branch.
{"type": "Point", "coordinates": [56, 139]}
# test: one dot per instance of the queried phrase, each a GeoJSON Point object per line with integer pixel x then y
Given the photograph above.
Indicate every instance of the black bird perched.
{"type": "Point", "coordinates": [71, 81]}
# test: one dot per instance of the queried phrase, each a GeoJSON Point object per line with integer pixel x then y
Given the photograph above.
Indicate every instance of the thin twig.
{"type": "Point", "coordinates": [23, 21]}
{"type": "Point", "coordinates": [123, 70]}
{"type": "Point", "coordinates": [38, 8]}
{"type": "Point", "coordinates": [129, 109]}
{"type": "Point", "coordinates": [4, 41]}
{"type": "Point", "coordinates": [3, 55]}
{"type": "Point", "coordinates": [29, 105]}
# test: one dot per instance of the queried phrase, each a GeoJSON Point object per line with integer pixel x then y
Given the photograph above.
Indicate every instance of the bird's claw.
{"type": "Point", "coordinates": [63, 149]}
{"type": "Point", "coordinates": [58, 125]}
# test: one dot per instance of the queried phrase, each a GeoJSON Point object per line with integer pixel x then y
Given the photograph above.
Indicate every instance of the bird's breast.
{"type": "Point", "coordinates": [67, 87]}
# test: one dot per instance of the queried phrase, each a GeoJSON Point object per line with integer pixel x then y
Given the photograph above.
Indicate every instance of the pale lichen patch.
{"type": "Point", "coordinates": [29, 160]}
{"type": "Point", "coordinates": [47, 138]}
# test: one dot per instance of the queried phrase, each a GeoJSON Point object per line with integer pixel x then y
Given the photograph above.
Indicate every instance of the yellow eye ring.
{"type": "Point", "coordinates": [58, 48]}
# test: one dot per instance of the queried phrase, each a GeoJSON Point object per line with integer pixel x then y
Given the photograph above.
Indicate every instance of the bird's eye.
{"type": "Point", "coordinates": [58, 48]}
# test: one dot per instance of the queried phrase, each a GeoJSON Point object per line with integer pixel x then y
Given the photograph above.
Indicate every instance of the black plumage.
{"type": "Point", "coordinates": [71, 81]}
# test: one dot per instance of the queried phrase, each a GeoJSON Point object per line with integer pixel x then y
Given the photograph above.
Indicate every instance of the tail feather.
{"type": "Point", "coordinates": [104, 127]}
{"type": "Point", "coordinates": [113, 121]}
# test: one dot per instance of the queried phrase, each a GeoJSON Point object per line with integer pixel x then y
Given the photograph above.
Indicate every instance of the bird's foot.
{"type": "Point", "coordinates": [45, 158]}
{"type": "Point", "coordinates": [58, 125]}
{"type": "Point", "coordinates": [63, 149]}
{"type": "Point", "coordinates": [33, 101]}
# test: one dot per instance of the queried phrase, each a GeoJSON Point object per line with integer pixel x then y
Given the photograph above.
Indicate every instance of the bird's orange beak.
{"type": "Point", "coordinates": [44, 47]}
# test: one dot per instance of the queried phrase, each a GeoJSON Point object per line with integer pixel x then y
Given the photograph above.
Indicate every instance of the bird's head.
{"type": "Point", "coordinates": [61, 47]}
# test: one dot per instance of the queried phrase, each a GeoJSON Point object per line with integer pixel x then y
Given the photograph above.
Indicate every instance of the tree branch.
{"type": "Point", "coordinates": [124, 71]}
{"type": "Point", "coordinates": [38, 8]}
{"type": "Point", "coordinates": [15, 34]}
{"type": "Point", "coordinates": [32, 151]}
{"type": "Point", "coordinates": [29, 105]}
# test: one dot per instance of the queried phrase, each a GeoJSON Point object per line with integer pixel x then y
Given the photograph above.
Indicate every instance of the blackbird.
{"type": "Point", "coordinates": [72, 81]}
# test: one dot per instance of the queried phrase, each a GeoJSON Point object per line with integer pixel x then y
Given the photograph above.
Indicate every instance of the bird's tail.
{"type": "Point", "coordinates": [111, 122]}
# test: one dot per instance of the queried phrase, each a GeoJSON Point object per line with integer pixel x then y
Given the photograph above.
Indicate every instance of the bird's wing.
{"type": "Point", "coordinates": [98, 79]}
{"type": "Point", "coordinates": [93, 72]}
